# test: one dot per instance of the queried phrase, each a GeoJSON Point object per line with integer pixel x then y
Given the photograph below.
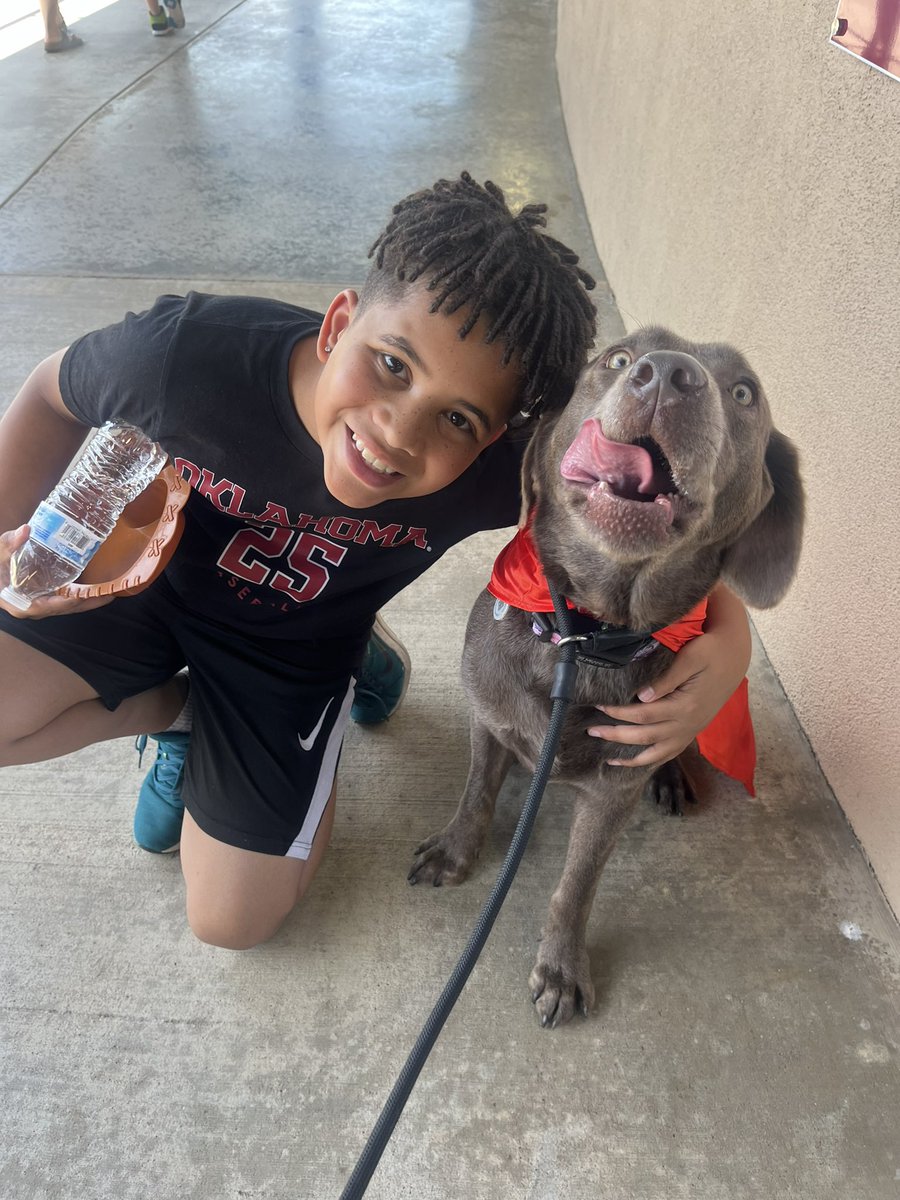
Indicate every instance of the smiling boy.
{"type": "Point", "coordinates": [409, 418]}
{"type": "Point", "coordinates": [332, 458]}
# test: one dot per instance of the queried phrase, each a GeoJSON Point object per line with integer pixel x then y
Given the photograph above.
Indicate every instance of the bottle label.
{"type": "Point", "coordinates": [63, 536]}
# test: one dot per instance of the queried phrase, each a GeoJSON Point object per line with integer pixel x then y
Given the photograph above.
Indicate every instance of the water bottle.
{"type": "Point", "coordinates": [79, 514]}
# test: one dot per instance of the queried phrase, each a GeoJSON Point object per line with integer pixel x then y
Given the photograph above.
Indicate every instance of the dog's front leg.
{"type": "Point", "coordinates": [447, 857]}
{"type": "Point", "coordinates": [561, 981]}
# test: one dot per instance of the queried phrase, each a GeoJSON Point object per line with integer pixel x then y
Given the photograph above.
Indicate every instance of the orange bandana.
{"type": "Point", "coordinates": [727, 741]}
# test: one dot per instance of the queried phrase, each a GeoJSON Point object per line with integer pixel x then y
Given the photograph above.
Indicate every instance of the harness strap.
{"type": "Point", "coordinates": [597, 643]}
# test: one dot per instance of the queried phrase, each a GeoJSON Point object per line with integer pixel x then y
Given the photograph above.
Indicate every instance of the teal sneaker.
{"type": "Point", "coordinates": [160, 809]}
{"type": "Point", "coordinates": [383, 677]}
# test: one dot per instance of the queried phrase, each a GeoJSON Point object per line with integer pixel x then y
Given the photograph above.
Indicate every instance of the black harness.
{"type": "Point", "coordinates": [597, 643]}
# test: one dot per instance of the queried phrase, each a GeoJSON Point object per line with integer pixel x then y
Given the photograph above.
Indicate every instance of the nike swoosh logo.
{"type": "Point", "coordinates": [307, 743]}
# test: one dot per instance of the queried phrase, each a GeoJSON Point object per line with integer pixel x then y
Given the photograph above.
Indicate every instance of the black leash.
{"type": "Point", "coordinates": [561, 694]}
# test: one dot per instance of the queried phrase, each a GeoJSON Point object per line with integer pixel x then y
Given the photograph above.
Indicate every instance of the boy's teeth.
{"type": "Point", "coordinates": [369, 458]}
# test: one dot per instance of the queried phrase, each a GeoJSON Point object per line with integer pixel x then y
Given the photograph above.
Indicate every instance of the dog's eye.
{"type": "Point", "coordinates": [619, 360]}
{"type": "Point", "coordinates": [744, 393]}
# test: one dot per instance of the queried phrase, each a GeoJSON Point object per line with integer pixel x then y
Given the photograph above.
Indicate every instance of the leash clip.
{"type": "Point", "coordinates": [573, 637]}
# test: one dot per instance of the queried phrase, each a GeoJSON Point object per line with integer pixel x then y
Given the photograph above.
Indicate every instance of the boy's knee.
{"type": "Point", "coordinates": [227, 931]}
{"type": "Point", "coordinates": [234, 898]}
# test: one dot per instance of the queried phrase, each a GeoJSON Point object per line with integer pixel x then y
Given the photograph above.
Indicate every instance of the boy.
{"type": "Point", "coordinates": [331, 459]}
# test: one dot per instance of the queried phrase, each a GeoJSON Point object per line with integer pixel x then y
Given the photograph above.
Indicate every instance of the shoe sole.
{"type": "Point", "coordinates": [150, 850]}
{"type": "Point", "coordinates": [70, 42]}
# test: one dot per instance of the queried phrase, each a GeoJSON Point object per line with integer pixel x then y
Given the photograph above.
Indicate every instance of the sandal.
{"type": "Point", "coordinates": [67, 41]}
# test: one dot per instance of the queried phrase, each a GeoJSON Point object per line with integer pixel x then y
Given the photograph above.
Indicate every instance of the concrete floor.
{"type": "Point", "coordinates": [745, 1042]}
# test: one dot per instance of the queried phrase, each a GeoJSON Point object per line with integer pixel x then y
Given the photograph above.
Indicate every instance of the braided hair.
{"type": "Point", "coordinates": [462, 241]}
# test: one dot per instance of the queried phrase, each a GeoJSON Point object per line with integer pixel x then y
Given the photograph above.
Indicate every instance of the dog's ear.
{"type": "Point", "coordinates": [761, 563]}
{"type": "Point", "coordinates": [530, 487]}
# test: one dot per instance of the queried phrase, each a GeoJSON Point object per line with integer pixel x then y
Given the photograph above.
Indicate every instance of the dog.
{"type": "Point", "coordinates": [663, 475]}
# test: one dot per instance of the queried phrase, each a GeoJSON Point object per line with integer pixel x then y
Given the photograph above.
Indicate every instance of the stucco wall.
{"type": "Point", "coordinates": [742, 178]}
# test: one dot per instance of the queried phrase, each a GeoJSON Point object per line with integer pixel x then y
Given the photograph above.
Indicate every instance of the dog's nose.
{"type": "Point", "coordinates": [666, 374]}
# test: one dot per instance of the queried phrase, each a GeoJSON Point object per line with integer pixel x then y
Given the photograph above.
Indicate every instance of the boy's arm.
{"type": "Point", "coordinates": [39, 437]}
{"type": "Point", "coordinates": [684, 700]}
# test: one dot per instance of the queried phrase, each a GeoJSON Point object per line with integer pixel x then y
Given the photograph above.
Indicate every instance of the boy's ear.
{"type": "Point", "coordinates": [338, 317]}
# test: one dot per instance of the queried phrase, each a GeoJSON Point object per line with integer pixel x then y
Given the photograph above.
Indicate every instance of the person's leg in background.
{"type": "Point", "coordinates": [165, 17]}
{"type": "Point", "coordinates": [57, 37]}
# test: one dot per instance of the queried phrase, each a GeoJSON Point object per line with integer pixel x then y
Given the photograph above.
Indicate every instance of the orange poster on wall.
{"type": "Point", "coordinates": [870, 30]}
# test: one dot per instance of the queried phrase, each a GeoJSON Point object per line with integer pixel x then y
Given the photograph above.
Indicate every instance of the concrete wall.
{"type": "Point", "coordinates": [742, 178]}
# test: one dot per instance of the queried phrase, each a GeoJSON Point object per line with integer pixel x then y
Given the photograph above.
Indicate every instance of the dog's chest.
{"type": "Point", "coordinates": [509, 676]}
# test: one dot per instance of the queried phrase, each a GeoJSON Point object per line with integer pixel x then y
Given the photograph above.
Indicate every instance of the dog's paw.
{"type": "Point", "coordinates": [561, 985]}
{"type": "Point", "coordinates": [444, 858]}
{"type": "Point", "coordinates": [670, 788]}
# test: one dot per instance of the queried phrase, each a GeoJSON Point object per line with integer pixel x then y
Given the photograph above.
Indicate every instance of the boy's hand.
{"type": "Point", "coordinates": [43, 606]}
{"type": "Point", "coordinates": [685, 699]}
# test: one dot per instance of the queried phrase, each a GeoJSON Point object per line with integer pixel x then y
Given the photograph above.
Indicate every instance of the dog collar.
{"type": "Point", "coordinates": [597, 643]}
{"type": "Point", "coordinates": [518, 580]}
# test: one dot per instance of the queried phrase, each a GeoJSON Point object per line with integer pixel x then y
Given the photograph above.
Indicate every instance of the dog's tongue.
{"type": "Point", "coordinates": [593, 458]}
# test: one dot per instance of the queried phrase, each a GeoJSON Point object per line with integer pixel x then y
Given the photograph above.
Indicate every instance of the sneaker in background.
{"type": "Point", "coordinates": [174, 13]}
{"type": "Point", "coordinates": [159, 24]}
{"type": "Point", "coordinates": [160, 809]}
{"type": "Point", "coordinates": [383, 677]}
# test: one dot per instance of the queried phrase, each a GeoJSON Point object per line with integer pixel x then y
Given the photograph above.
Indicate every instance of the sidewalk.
{"type": "Point", "coordinates": [745, 1042]}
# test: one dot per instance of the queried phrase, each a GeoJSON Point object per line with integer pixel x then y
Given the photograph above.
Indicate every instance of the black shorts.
{"type": "Point", "coordinates": [269, 715]}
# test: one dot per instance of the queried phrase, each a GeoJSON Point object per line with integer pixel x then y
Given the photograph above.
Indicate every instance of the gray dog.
{"type": "Point", "coordinates": [663, 475]}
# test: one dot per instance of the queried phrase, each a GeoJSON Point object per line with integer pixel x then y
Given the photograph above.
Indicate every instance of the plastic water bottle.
{"type": "Point", "coordinates": [79, 514]}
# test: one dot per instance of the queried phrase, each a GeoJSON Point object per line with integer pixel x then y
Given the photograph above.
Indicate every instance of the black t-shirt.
{"type": "Point", "coordinates": [266, 547]}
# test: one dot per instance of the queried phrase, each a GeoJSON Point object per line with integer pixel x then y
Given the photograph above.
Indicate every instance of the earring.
{"type": "Point", "coordinates": [327, 349]}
